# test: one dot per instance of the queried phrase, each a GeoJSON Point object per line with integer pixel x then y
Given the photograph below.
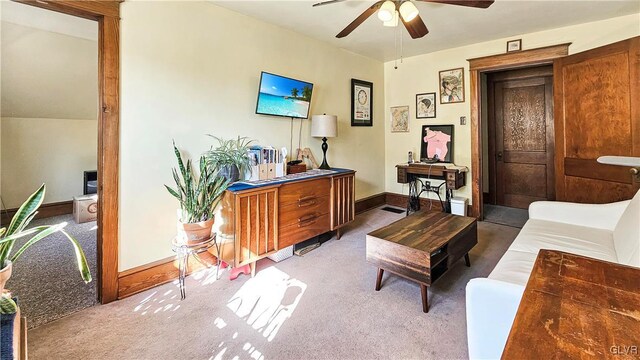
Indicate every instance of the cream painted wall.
{"type": "Point", "coordinates": [192, 68]}
{"type": "Point", "coordinates": [419, 74]}
{"type": "Point", "coordinates": [47, 74]}
{"type": "Point", "coordinates": [51, 151]}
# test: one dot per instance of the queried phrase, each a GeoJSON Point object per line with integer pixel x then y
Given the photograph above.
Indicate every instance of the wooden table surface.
{"type": "Point", "coordinates": [576, 307]}
{"type": "Point", "coordinates": [425, 231]}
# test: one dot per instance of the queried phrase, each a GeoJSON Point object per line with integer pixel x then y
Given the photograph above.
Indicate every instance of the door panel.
{"type": "Point", "coordinates": [597, 113]}
{"type": "Point", "coordinates": [523, 137]}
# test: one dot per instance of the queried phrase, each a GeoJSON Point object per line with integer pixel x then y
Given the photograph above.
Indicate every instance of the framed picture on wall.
{"type": "Point", "coordinates": [400, 119]}
{"type": "Point", "coordinates": [426, 106]}
{"type": "Point", "coordinates": [514, 45]}
{"type": "Point", "coordinates": [452, 86]}
{"type": "Point", "coordinates": [361, 103]}
{"type": "Point", "coordinates": [436, 143]}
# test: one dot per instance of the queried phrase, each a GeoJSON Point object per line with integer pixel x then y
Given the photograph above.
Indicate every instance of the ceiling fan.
{"type": "Point", "coordinates": [390, 11]}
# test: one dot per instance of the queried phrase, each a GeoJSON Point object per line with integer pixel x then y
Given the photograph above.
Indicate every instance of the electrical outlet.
{"type": "Point", "coordinates": [463, 120]}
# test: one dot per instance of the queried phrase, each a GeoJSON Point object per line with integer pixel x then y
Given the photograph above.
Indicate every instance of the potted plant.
{"type": "Point", "coordinates": [198, 197]}
{"type": "Point", "coordinates": [230, 158]}
{"type": "Point", "coordinates": [17, 229]}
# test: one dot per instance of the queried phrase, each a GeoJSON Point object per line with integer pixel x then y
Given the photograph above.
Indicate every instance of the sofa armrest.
{"type": "Point", "coordinates": [491, 309]}
{"type": "Point", "coordinates": [601, 216]}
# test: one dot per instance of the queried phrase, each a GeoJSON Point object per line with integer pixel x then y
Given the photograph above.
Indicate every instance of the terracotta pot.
{"type": "Point", "coordinates": [194, 233]}
{"type": "Point", "coordinates": [5, 274]}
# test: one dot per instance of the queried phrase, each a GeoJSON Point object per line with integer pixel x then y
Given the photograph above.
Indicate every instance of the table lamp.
{"type": "Point", "coordinates": [324, 126]}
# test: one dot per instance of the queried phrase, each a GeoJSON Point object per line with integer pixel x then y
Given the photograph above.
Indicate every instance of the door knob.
{"type": "Point", "coordinates": [499, 155]}
{"type": "Point", "coordinates": [635, 174]}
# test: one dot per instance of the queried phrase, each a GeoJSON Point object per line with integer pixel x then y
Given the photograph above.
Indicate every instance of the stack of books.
{"type": "Point", "coordinates": [266, 163]}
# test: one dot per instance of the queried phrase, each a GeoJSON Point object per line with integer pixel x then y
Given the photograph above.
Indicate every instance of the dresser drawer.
{"type": "Point", "coordinates": [305, 229]}
{"type": "Point", "coordinates": [290, 213]}
{"type": "Point", "coordinates": [303, 192]}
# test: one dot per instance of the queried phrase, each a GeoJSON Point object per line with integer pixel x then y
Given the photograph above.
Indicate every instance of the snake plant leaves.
{"type": "Point", "coordinates": [21, 220]}
{"type": "Point", "coordinates": [26, 211]}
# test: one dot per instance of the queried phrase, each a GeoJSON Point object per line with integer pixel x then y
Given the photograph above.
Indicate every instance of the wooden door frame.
{"type": "Point", "coordinates": [107, 14]}
{"type": "Point", "coordinates": [478, 66]}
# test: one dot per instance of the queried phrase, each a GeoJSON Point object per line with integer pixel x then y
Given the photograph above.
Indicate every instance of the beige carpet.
{"type": "Point", "coordinates": [320, 306]}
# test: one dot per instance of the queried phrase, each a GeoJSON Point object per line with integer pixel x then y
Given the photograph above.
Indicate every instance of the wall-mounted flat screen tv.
{"type": "Point", "coordinates": [283, 96]}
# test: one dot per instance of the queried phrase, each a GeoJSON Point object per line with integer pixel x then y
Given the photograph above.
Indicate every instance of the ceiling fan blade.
{"type": "Point", "coordinates": [416, 27]}
{"type": "Point", "coordinates": [329, 2]}
{"type": "Point", "coordinates": [470, 3]}
{"type": "Point", "coordinates": [360, 19]}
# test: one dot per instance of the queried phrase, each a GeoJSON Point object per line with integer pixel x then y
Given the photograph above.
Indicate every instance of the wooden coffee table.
{"type": "Point", "coordinates": [422, 247]}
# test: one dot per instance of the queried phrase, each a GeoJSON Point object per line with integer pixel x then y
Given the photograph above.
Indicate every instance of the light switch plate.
{"type": "Point", "coordinates": [463, 120]}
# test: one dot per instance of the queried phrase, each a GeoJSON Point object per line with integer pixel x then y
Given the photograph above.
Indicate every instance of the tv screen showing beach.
{"type": "Point", "coordinates": [282, 96]}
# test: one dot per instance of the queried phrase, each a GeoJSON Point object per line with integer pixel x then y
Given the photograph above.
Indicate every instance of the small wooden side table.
{"type": "Point", "coordinates": [184, 251]}
{"type": "Point", "coordinates": [575, 307]}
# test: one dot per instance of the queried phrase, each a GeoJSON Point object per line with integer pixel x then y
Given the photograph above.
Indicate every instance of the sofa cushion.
{"type": "Point", "coordinates": [626, 236]}
{"type": "Point", "coordinates": [514, 267]}
{"type": "Point", "coordinates": [542, 234]}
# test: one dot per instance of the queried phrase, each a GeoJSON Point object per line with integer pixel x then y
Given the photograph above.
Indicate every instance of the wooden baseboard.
{"type": "Point", "coordinates": [45, 211]}
{"type": "Point", "coordinates": [370, 202]}
{"type": "Point", "coordinates": [159, 272]}
{"type": "Point", "coordinates": [400, 200]}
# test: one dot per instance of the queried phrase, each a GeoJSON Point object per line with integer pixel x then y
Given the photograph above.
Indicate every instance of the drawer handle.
{"type": "Point", "coordinates": [307, 220]}
{"type": "Point", "coordinates": [306, 201]}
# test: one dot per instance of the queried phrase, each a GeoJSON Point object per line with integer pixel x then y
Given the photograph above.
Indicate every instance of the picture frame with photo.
{"type": "Point", "coordinates": [400, 119]}
{"type": "Point", "coordinates": [436, 143]}
{"type": "Point", "coordinates": [361, 103]}
{"type": "Point", "coordinates": [451, 86]}
{"type": "Point", "coordinates": [514, 45]}
{"type": "Point", "coordinates": [426, 105]}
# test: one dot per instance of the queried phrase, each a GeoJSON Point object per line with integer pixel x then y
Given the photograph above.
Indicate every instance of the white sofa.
{"type": "Point", "coordinates": [608, 232]}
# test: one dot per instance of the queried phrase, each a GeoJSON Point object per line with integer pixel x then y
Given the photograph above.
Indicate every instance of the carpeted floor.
{"type": "Point", "coordinates": [46, 277]}
{"type": "Point", "coordinates": [320, 306]}
{"type": "Point", "coordinates": [505, 215]}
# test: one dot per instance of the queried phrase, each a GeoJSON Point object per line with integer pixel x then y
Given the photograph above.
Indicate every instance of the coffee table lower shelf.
{"type": "Point", "coordinates": [421, 247]}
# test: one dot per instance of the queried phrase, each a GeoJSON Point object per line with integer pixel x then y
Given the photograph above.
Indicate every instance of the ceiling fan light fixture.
{"type": "Point", "coordinates": [408, 11]}
{"type": "Point", "coordinates": [393, 22]}
{"type": "Point", "coordinates": [386, 11]}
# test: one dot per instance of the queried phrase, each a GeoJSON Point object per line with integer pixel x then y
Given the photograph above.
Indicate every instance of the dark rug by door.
{"type": "Point", "coordinates": [505, 215]}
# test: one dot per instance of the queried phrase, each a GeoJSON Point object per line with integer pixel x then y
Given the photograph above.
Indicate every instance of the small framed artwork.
{"type": "Point", "coordinates": [426, 105]}
{"type": "Point", "coordinates": [452, 86]}
{"type": "Point", "coordinates": [361, 103]}
{"type": "Point", "coordinates": [514, 45]}
{"type": "Point", "coordinates": [436, 143]}
{"type": "Point", "coordinates": [400, 119]}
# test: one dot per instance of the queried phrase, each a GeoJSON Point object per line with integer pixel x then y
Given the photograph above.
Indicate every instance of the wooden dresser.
{"type": "Point", "coordinates": [257, 220]}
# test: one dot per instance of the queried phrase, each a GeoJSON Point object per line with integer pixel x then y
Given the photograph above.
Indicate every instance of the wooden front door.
{"type": "Point", "coordinates": [521, 146]}
{"type": "Point", "coordinates": [597, 111]}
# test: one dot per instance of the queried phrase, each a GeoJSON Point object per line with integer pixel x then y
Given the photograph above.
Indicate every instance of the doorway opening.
{"type": "Point", "coordinates": [49, 135]}
{"type": "Point", "coordinates": [518, 142]}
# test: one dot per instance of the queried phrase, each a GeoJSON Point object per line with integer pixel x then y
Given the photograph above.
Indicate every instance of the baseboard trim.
{"type": "Point", "coordinates": [141, 278]}
{"type": "Point", "coordinates": [400, 200]}
{"type": "Point", "coordinates": [370, 202]}
{"type": "Point", "coordinates": [45, 211]}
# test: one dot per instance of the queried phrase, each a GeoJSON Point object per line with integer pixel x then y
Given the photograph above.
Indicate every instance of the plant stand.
{"type": "Point", "coordinates": [184, 251]}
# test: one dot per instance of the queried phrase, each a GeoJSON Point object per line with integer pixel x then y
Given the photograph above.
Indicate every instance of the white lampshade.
{"type": "Point", "coordinates": [393, 22]}
{"type": "Point", "coordinates": [408, 11]}
{"type": "Point", "coordinates": [386, 11]}
{"type": "Point", "coordinates": [324, 126]}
